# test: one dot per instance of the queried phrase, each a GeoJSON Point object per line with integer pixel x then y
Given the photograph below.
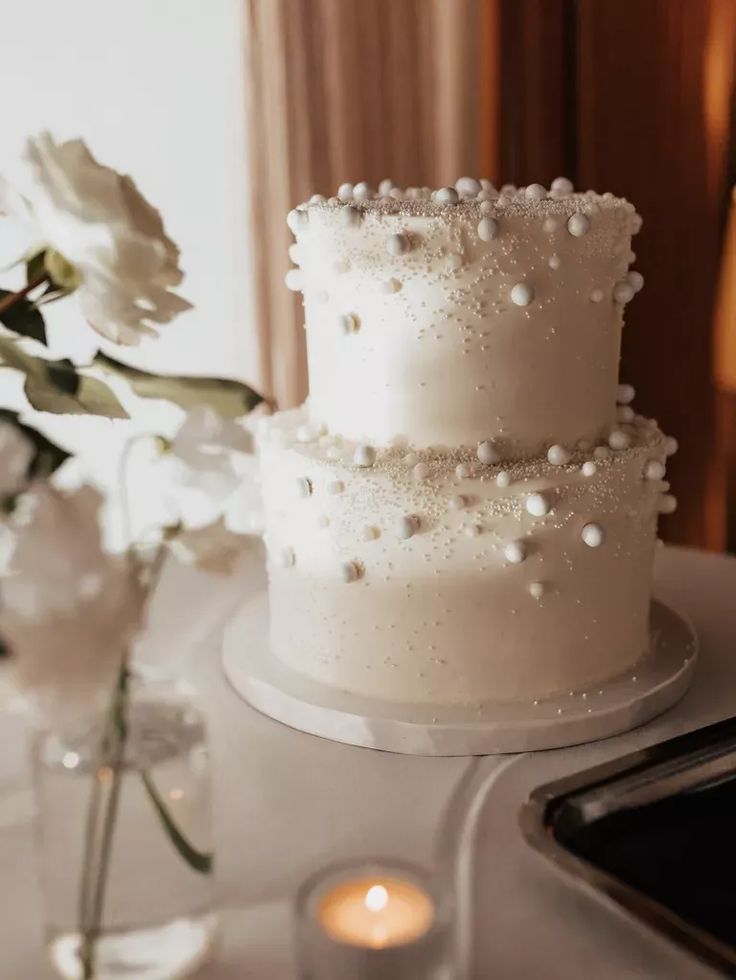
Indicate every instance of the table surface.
{"type": "Point", "coordinates": [287, 803]}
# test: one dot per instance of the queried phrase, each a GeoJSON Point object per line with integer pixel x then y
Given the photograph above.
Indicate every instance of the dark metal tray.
{"type": "Point", "coordinates": [656, 832]}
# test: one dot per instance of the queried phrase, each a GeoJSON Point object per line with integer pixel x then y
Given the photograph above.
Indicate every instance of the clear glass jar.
{"type": "Point", "coordinates": [125, 839]}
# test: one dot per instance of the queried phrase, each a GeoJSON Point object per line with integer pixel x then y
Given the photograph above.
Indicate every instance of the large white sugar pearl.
{"type": "Point", "coordinates": [408, 526]}
{"type": "Point", "coordinates": [515, 552]}
{"type": "Point", "coordinates": [487, 229]}
{"type": "Point", "coordinates": [456, 502]}
{"type": "Point", "coordinates": [536, 590]}
{"type": "Point", "coordinates": [294, 280]}
{"type": "Point", "coordinates": [550, 225]}
{"type": "Point", "coordinates": [350, 216]}
{"type": "Point", "coordinates": [385, 187]}
{"type": "Point", "coordinates": [462, 471]}
{"type": "Point", "coordinates": [619, 440]}
{"type": "Point", "coordinates": [601, 452]}
{"type": "Point", "coordinates": [345, 192]}
{"type": "Point", "coordinates": [671, 446]}
{"type": "Point", "coordinates": [296, 220]}
{"type": "Point", "coordinates": [563, 185]}
{"type": "Point", "coordinates": [317, 199]}
{"type": "Point", "coordinates": [364, 455]}
{"type": "Point", "coordinates": [468, 187]}
{"type": "Point", "coordinates": [303, 486]}
{"type": "Point", "coordinates": [487, 452]}
{"type": "Point", "coordinates": [538, 505]}
{"type": "Point", "coordinates": [667, 504]}
{"type": "Point", "coordinates": [446, 195]}
{"type": "Point", "coordinates": [558, 455]}
{"type": "Point", "coordinates": [535, 192]}
{"type": "Point", "coordinates": [578, 224]}
{"type": "Point", "coordinates": [420, 472]}
{"type": "Point", "coordinates": [397, 244]}
{"type": "Point", "coordinates": [589, 468]}
{"type": "Point", "coordinates": [636, 224]}
{"type": "Point", "coordinates": [294, 253]}
{"type": "Point", "coordinates": [349, 571]}
{"type": "Point", "coordinates": [335, 487]}
{"type": "Point", "coordinates": [625, 413]}
{"type": "Point", "coordinates": [654, 470]}
{"type": "Point", "coordinates": [635, 280]}
{"type": "Point", "coordinates": [592, 535]}
{"type": "Point", "coordinates": [625, 394]}
{"type": "Point", "coordinates": [522, 294]}
{"type": "Point", "coordinates": [286, 558]}
{"type": "Point", "coordinates": [486, 196]}
{"type": "Point", "coordinates": [623, 292]}
{"type": "Point", "coordinates": [348, 322]}
{"type": "Point", "coordinates": [487, 185]}
{"type": "Point", "coordinates": [454, 262]}
{"type": "Point", "coordinates": [362, 191]}
{"type": "Point", "coordinates": [397, 193]}
{"type": "Point", "coordinates": [503, 479]}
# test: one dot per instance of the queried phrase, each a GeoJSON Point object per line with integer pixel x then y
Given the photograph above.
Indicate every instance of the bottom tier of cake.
{"type": "Point", "coordinates": [432, 577]}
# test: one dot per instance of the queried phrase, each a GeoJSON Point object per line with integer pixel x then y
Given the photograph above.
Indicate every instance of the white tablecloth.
{"type": "Point", "coordinates": [287, 803]}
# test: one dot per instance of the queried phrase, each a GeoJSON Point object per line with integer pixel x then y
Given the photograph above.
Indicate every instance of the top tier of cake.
{"type": "Point", "coordinates": [449, 319]}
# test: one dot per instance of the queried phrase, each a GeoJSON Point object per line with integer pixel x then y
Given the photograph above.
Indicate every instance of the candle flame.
{"type": "Point", "coordinates": [376, 898]}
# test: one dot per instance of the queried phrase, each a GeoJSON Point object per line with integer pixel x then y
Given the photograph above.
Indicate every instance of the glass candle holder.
{"type": "Point", "coordinates": [371, 920]}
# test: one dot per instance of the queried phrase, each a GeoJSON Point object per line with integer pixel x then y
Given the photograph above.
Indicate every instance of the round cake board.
{"type": "Point", "coordinates": [654, 684]}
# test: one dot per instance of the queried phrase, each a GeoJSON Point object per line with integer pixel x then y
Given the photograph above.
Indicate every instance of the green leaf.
{"type": "Point", "coordinates": [23, 318]}
{"type": "Point", "coordinates": [228, 398]}
{"type": "Point", "coordinates": [57, 386]}
{"type": "Point", "coordinates": [36, 267]}
{"type": "Point", "coordinates": [198, 860]}
{"type": "Point", "coordinates": [48, 457]}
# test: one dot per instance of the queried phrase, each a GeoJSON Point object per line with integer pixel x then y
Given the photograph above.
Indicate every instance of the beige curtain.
{"type": "Point", "coordinates": [349, 90]}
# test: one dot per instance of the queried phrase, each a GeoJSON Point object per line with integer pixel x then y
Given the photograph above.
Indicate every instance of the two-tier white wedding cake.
{"type": "Point", "coordinates": [465, 509]}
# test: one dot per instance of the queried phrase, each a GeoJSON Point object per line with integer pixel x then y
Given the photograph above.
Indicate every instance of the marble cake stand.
{"type": "Point", "coordinates": [657, 682]}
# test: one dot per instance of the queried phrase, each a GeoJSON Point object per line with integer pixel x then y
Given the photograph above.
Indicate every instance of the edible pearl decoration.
{"type": "Point", "coordinates": [397, 244]}
{"type": "Point", "coordinates": [385, 187]}
{"type": "Point", "coordinates": [348, 322]}
{"type": "Point", "coordinates": [487, 453]}
{"type": "Point", "coordinates": [558, 455]}
{"type": "Point", "coordinates": [538, 505]}
{"type": "Point", "coordinates": [671, 446]}
{"type": "Point", "coordinates": [335, 487]}
{"type": "Point", "coordinates": [550, 225]}
{"type": "Point", "coordinates": [554, 262]}
{"type": "Point", "coordinates": [294, 253]}
{"type": "Point", "coordinates": [625, 394]}
{"type": "Point", "coordinates": [364, 455]}
{"type": "Point", "coordinates": [654, 470]}
{"type": "Point", "coordinates": [578, 224]}
{"type": "Point", "coordinates": [601, 452]}
{"type": "Point", "coordinates": [592, 535]}
{"type": "Point", "coordinates": [535, 192]}
{"type": "Point", "coordinates": [487, 229]}
{"type": "Point", "coordinates": [349, 571]}
{"type": "Point", "coordinates": [563, 185]}
{"type": "Point", "coordinates": [462, 471]}
{"type": "Point", "coordinates": [635, 280]}
{"type": "Point", "coordinates": [589, 468]}
{"type": "Point", "coordinates": [297, 220]}
{"type": "Point", "coordinates": [619, 440]}
{"type": "Point", "coordinates": [472, 530]}
{"type": "Point", "coordinates": [503, 479]}
{"type": "Point", "coordinates": [456, 502]}
{"type": "Point", "coordinates": [345, 192]}
{"type": "Point", "coordinates": [420, 472]}
{"type": "Point", "coordinates": [515, 552]}
{"type": "Point", "coordinates": [596, 296]}
{"type": "Point", "coordinates": [623, 292]}
{"type": "Point", "coordinates": [536, 590]}
{"type": "Point", "coordinates": [468, 186]}
{"type": "Point", "coordinates": [625, 413]}
{"type": "Point", "coordinates": [446, 195]}
{"type": "Point", "coordinates": [408, 526]}
{"type": "Point", "coordinates": [304, 486]}
{"type": "Point", "coordinates": [667, 504]}
{"type": "Point", "coordinates": [362, 191]}
{"type": "Point", "coordinates": [294, 280]}
{"type": "Point", "coordinates": [522, 294]}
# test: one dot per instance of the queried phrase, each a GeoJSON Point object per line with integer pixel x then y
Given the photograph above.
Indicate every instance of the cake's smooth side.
{"type": "Point", "coordinates": [429, 344]}
{"type": "Point", "coordinates": [443, 616]}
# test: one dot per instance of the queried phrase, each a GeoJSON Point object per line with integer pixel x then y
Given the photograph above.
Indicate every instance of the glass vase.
{"type": "Point", "coordinates": [124, 837]}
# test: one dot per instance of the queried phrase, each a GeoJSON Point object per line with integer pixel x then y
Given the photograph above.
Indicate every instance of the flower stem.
{"type": "Point", "coordinates": [12, 298]}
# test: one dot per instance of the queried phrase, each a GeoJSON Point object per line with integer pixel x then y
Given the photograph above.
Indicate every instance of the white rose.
{"type": "Point", "coordinates": [101, 237]}
{"type": "Point", "coordinates": [68, 610]}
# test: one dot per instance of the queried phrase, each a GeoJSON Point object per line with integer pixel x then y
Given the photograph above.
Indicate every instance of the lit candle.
{"type": "Point", "coordinates": [373, 921]}
{"type": "Point", "coordinates": [376, 912]}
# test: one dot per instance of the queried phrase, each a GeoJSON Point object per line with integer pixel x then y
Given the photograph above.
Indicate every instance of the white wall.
{"type": "Point", "coordinates": [155, 87]}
